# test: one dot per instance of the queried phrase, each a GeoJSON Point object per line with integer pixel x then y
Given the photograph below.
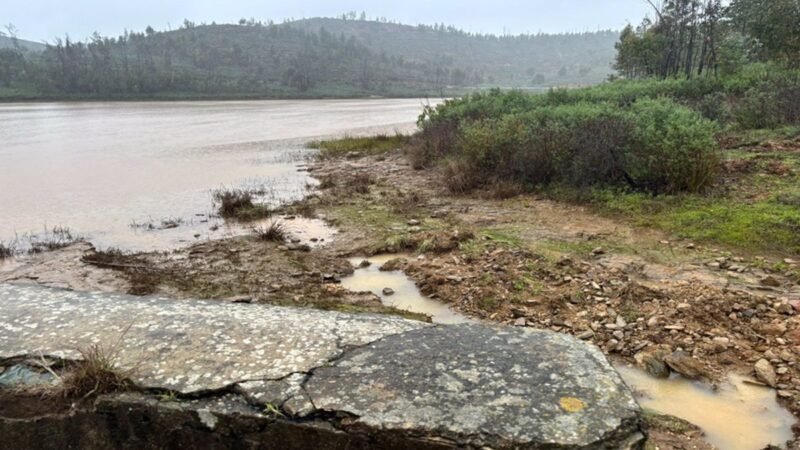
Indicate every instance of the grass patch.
{"type": "Point", "coordinates": [239, 204]}
{"type": "Point", "coordinates": [274, 232]}
{"type": "Point", "coordinates": [759, 226]}
{"type": "Point", "coordinates": [7, 250]}
{"type": "Point", "coordinates": [372, 145]}
{"type": "Point", "coordinates": [95, 374]}
{"type": "Point", "coordinates": [53, 239]}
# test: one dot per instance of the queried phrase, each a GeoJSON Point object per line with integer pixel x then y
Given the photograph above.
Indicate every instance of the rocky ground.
{"type": "Point", "coordinates": [641, 296]}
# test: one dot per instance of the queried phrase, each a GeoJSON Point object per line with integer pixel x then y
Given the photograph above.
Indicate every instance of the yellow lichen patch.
{"type": "Point", "coordinates": [572, 405]}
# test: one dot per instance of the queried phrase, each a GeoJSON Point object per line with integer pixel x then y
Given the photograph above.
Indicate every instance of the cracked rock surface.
{"type": "Point", "coordinates": [183, 346]}
{"type": "Point", "coordinates": [254, 373]}
{"type": "Point", "coordinates": [482, 386]}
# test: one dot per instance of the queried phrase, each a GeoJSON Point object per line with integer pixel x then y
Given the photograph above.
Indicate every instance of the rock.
{"type": "Point", "coordinates": [770, 281]}
{"type": "Point", "coordinates": [766, 373]}
{"type": "Point", "coordinates": [720, 344]}
{"type": "Point", "coordinates": [20, 376]}
{"type": "Point", "coordinates": [684, 364]}
{"type": "Point", "coordinates": [241, 299]}
{"type": "Point", "coordinates": [393, 265]}
{"type": "Point", "coordinates": [565, 261]}
{"type": "Point", "coordinates": [413, 223]}
{"type": "Point", "coordinates": [521, 322]}
{"type": "Point", "coordinates": [599, 251]}
{"type": "Point", "coordinates": [353, 155]}
{"type": "Point", "coordinates": [585, 335]}
{"type": "Point", "coordinates": [450, 385]}
{"type": "Point", "coordinates": [388, 291]}
{"type": "Point", "coordinates": [364, 264]}
{"type": "Point", "coordinates": [655, 366]}
{"type": "Point", "coordinates": [299, 248]}
{"type": "Point", "coordinates": [777, 328]}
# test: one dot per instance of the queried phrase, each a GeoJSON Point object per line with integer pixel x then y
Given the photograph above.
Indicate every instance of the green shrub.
{"type": "Point", "coordinates": [674, 148]}
{"type": "Point", "coordinates": [655, 145]}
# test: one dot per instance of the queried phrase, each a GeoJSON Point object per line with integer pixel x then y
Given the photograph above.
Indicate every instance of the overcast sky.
{"type": "Point", "coordinates": [45, 19]}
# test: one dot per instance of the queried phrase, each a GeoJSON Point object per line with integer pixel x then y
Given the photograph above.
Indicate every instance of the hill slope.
{"type": "Point", "coordinates": [7, 42]}
{"type": "Point", "coordinates": [509, 60]}
{"type": "Point", "coordinates": [308, 58]}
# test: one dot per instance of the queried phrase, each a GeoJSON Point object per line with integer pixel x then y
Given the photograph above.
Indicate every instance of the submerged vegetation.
{"type": "Point", "coordinates": [239, 204]}
{"type": "Point", "coordinates": [50, 239]}
{"type": "Point", "coordinates": [274, 232]}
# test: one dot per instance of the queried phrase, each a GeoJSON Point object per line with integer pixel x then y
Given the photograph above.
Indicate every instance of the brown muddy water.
{"type": "Point", "coordinates": [406, 297]}
{"type": "Point", "coordinates": [123, 174]}
{"type": "Point", "coordinates": [736, 416]}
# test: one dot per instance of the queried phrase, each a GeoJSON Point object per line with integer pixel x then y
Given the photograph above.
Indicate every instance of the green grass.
{"type": "Point", "coordinates": [372, 145]}
{"type": "Point", "coordinates": [762, 226]}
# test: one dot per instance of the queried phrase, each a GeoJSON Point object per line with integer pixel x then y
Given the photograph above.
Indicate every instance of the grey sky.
{"type": "Point", "coordinates": [45, 19]}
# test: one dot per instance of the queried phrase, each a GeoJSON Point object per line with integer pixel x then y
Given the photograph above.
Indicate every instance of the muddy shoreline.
{"type": "Point", "coordinates": [643, 297]}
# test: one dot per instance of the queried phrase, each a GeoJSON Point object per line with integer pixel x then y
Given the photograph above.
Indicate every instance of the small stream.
{"type": "Point", "coordinates": [737, 416]}
{"type": "Point", "coordinates": [406, 294]}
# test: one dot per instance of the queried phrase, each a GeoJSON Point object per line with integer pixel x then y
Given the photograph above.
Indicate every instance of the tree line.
{"type": "Point", "coordinates": [701, 37]}
{"type": "Point", "coordinates": [308, 58]}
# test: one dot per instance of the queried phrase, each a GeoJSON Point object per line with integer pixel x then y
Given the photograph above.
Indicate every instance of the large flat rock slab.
{"type": "Point", "coordinates": [184, 346]}
{"type": "Point", "coordinates": [253, 373]}
{"type": "Point", "coordinates": [480, 386]}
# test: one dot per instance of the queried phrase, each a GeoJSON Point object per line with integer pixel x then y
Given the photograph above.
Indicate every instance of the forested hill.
{"type": "Point", "coordinates": [7, 42]}
{"type": "Point", "coordinates": [573, 58]}
{"type": "Point", "coordinates": [306, 58]}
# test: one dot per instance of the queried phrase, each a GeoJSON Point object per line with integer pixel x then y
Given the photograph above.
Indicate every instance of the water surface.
{"type": "Point", "coordinates": [737, 416]}
{"type": "Point", "coordinates": [108, 170]}
{"type": "Point", "coordinates": [406, 297]}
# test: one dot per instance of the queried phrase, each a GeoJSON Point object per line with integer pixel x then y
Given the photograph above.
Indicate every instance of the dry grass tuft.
{"type": "Point", "coordinates": [95, 374]}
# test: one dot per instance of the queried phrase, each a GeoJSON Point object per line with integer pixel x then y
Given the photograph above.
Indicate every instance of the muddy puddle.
{"type": "Point", "coordinates": [406, 295]}
{"type": "Point", "coordinates": [737, 416]}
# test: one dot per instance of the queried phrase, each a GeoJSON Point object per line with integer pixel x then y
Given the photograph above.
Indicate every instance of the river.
{"type": "Point", "coordinates": [108, 171]}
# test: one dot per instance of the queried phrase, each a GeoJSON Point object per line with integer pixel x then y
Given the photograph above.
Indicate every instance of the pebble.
{"type": "Point", "coordinates": [599, 251]}
{"type": "Point", "coordinates": [586, 335]}
{"type": "Point", "coordinates": [766, 373]}
{"type": "Point", "coordinates": [388, 291]}
{"type": "Point", "coordinates": [413, 222]}
{"type": "Point", "coordinates": [770, 281]}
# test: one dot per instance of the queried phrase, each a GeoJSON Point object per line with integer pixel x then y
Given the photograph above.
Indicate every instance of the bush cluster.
{"type": "Point", "coordinates": [653, 136]}
{"type": "Point", "coordinates": [653, 145]}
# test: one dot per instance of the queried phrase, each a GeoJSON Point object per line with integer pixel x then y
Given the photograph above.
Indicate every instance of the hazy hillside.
{"type": "Point", "coordinates": [7, 42]}
{"type": "Point", "coordinates": [511, 60]}
{"type": "Point", "coordinates": [307, 58]}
